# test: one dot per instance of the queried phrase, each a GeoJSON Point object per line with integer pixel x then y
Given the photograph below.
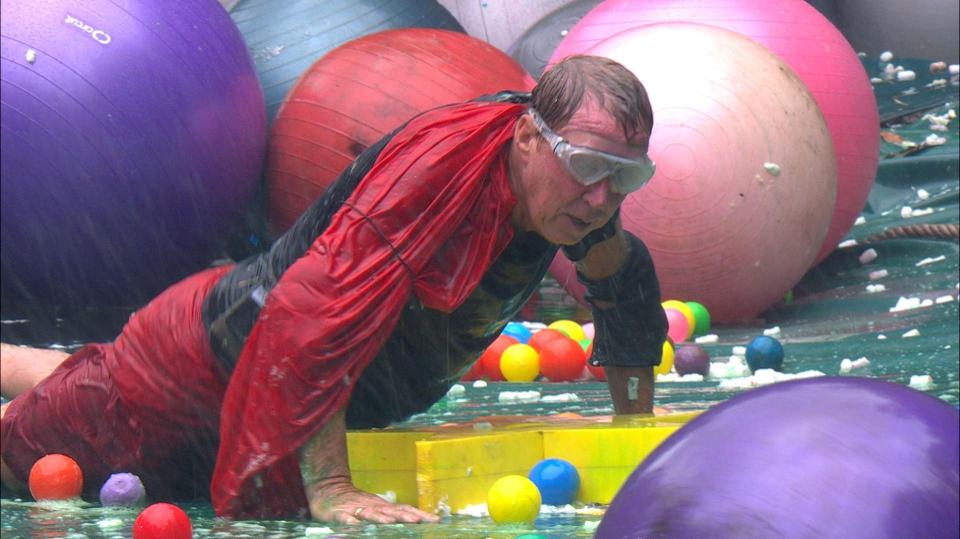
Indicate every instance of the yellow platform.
{"type": "Point", "coordinates": [454, 466]}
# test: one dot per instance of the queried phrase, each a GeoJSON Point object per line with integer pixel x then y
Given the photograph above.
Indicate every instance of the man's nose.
{"type": "Point", "coordinates": [598, 195]}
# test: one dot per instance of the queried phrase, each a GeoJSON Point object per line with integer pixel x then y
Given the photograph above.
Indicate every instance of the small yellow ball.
{"type": "Point", "coordinates": [570, 329]}
{"type": "Point", "coordinates": [685, 310]}
{"type": "Point", "coordinates": [513, 499]}
{"type": "Point", "coordinates": [666, 360]}
{"type": "Point", "coordinates": [520, 363]}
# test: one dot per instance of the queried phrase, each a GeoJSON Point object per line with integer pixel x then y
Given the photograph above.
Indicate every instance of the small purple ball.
{"type": "Point", "coordinates": [122, 489]}
{"type": "Point", "coordinates": [691, 359]}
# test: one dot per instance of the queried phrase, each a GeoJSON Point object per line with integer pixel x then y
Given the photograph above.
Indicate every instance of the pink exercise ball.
{"type": "Point", "coordinates": [807, 42]}
{"type": "Point", "coordinates": [746, 178]}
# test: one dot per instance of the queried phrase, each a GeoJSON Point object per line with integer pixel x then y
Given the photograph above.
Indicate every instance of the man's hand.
{"type": "Point", "coordinates": [332, 496]}
{"type": "Point", "coordinates": [337, 500]}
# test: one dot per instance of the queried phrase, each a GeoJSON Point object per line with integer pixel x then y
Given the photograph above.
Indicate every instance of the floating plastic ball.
{"type": "Point", "coordinates": [589, 330]}
{"type": "Point", "coordinates": [702, 317]}
{"type": "Point", "coordinates": [685, 310]}
{"type": "Point", "coordinates": [490, 359]}
{"type": "Point", "coordinates": [55, 477]}
{"type": "Point", "coordinates": [122, 489]}
{"type": "Point", "coordinates": [666, 359]}
{"type": "Point", "coordinates": [518, 331]}
{"type": "Point", "coordinates": [513, 499]}
{"type": "Point", "coordinates": [162, 521]}
{"type": "Point", "coordinates": [765, 352]}
{"type": "Point", "coordinates": [133, 136]}
{"type": "Point", "coordinates": [557, 480]}
{"type": "Point", "coordinates": [364, 89]}
{"type": "Point", "coordinates": [540, 338]}
{"type": "Point", "coordinates": [569, 328]}
{"type": "Point", "coordinates": [813, 48]}
{"type": "Point", "coordinates": [691, 359]}
{"type": "Point", "coordinates": [596, 371]}
{"type": "Point", "coordinates": [534, 48]}
{"type": "Point", "coordinates": [562, 360]}
{"type": "Point", "coordinates": [738, 209]}
{"type": "Point", "coordinates": [819, 457]}
{"type": "Point", "coordinates": [520, 363]}
{"type": "Point", "coordinates": [677, 328]}
{"type": "Point", "coordinates": [475, 372]}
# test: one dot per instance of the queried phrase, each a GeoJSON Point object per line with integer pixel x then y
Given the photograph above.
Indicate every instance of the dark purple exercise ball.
{"type": "Point", "coordinates": [819, 457]}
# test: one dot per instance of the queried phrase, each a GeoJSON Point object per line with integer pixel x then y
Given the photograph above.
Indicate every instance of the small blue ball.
{"type": "Point", "coordinates": [518, 331]}
{"type": "Point", "coordinates": [557, 480]}
{"type": "Point", "coordinates": [764, 352]}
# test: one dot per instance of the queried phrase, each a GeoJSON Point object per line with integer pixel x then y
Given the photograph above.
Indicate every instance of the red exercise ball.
{"type": "Point", "coordinates": [562, 360]}
{"type": "Point", "coordinates": [162, 521]}
{"type": "Point", "coordinates": [746, 178]}
{"type": "Point", "coordinates": [55, 477]}
{"type": "Point", "coordinates": [362, 90]}
{"type": "Point", "coordinates": [808, 43]}
{"type": "Point", "coordinates": [490, 360]}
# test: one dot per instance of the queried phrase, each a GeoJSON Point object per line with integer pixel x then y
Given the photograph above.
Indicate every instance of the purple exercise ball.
{"type": "Point", "coordinates": [819, 457]}
{"type": "Point", "coordinates": [122, 489]}
{"type": "Point", "coordinates": [691, 359]}
{"type": "Point", "coordinates": [133, 136]}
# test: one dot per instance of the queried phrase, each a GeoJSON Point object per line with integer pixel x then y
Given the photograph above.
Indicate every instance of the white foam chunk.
{"type": "Point", "coordinates": [764, 377]}
{"type": "Point", "coordinates": [772, 332]}
{"type": "Point", "coordinates": [479, 383]}
{"type": "Point", "coordinates": [905, 304]}
{"type": "Point", "coordinates": [31, 56]}
{"type": "Point", "coordinates": [846, 243]}
{"type": "Point", "coordinates": [706, 339]}
{"type": "Point", "coordinates": [739, 350]}
{"type": "Point", "coordinates": [954, 69]}
{"type": "Point", "coordinates": [921, 381]}
{"type": "Point", "coordinates": [317, 531]}
{"type": "Point", "coordinates": [886, 56]}
{"type": "Point", "coordinates": [944, 299]}
{"type": "Point", "coordinates": [562, 397]}
{"type": "Point", "coordinates": [921, 213]}
{"type": "Point", "coordinates": [109, 523]}
{"type": "Point", "coordinates": [878, 274]}
{"type": "Point", "coordinates": [874, 288]}
{"type": "Point", "coordinates": [923, 194]}
{"type": "Point", "coordinates": [905, 75]}
{"type": "Point", "coordinates": [847, 365]}
{"type": "Point", "coordinates": [518, 396]}
{"type": "Point", "coordinates": [906, 212]}
{"type": "Point", "coordinates": [881, 337]}
{"type": "Point", "coordinates": [927, 261]}
{"type": "Point", "coordinates": [912, 333]}
{"type": "Point", "coordinates": [868, 256]}
{"type": "Point", "coordinates": [860, 220]}
{"type": "Point", "coordinates": [456, 390]}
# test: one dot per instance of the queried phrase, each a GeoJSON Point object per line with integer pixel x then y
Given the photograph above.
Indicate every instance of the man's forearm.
{"type": "Point", "coordinates": [631, 389]}
{"type": "Point", "coordinates": [323, 459]}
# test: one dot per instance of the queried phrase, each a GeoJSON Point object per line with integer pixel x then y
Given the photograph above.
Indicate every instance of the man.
{"type": "Point", "coordinates": [245, 378]}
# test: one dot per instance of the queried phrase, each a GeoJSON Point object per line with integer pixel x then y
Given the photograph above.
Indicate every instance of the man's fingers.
{"type": "Point", "coordinates": [407, 513]}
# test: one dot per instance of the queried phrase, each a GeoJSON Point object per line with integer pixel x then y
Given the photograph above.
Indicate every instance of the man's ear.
{"type": "Point", "coordinates": [525, 134]}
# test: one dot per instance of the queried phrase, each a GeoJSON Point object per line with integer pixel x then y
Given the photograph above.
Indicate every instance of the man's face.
{"type": "Point", "coordinates": [551, 201]}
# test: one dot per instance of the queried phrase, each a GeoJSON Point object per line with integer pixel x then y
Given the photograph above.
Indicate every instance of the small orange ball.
{"type": "Point", "coordinates": [55, 477]}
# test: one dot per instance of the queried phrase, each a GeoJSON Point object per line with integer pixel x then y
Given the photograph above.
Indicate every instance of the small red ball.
{"type": "Point", "coordinates": [596, 370]}
{"type": "Point", "coordinates": [162, 521]}
{"type": "Point", "coordinates": [55, 477]}
{"type": "Point", "coordinates": [562, 360]}
{"type": "Point", "coordinates": [491, 357]}
{"type": "Point", "coordinates": [542, 337]}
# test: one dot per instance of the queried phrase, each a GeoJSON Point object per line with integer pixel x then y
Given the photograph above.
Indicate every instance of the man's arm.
{"type": "Point", "coordinates": [332, 496]}
{"type": "Point", "coordinates": [631, 388]}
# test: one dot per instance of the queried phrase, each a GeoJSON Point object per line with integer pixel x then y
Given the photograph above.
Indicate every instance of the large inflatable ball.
{"type": "Point", "coordinates": [287, 36]}
{"type": "Point", "coordinates": [821, 457]}
{"type": "Point", "coordinates": [132, 135]}
{"type": "Point", "coordinates": [807, 42]}
{"type": "Point", "coordinates": [745, 181]}
{"type": "Point", "coordinates": [535, 46]}
{"type": "Point", "coordinates": [361, 91]}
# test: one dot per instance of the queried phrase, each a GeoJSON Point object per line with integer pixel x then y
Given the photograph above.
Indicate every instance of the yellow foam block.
{"type": "Point", "coordinates": [385, 460]}
{"type": "Point", "coordinates": [458, 470]}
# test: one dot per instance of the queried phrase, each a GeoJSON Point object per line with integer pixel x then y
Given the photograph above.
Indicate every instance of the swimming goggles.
{"type": "Point", "coordinates": [591, 166]}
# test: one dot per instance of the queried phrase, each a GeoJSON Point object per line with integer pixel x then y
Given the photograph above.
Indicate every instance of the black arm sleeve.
{"type": "Point", "coordinates": [632, 332]}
